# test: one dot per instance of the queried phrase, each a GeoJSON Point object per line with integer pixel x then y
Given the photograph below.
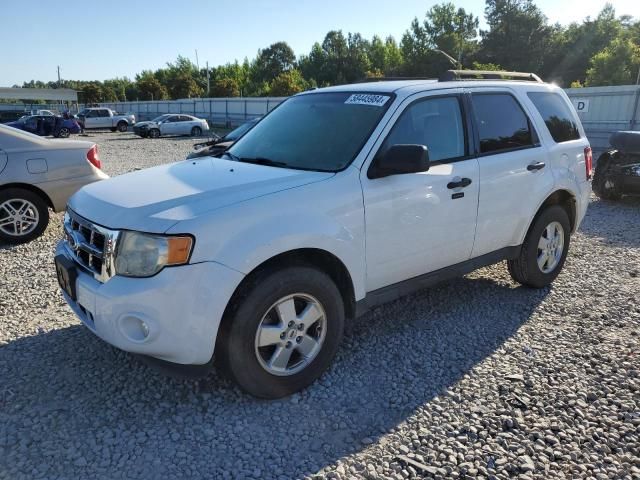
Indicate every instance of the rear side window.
{"type": "Point", "coordinates": [556, 115]}
{"type": "Point", "coordinates": [502, 124]}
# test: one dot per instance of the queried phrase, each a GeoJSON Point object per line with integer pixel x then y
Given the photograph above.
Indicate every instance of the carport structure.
{"type": "Point", "coordinates": [48, 94]}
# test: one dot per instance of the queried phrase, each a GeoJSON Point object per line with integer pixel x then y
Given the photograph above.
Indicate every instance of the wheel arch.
{"type": "Point", "coordinates": [320, 259]}
{"type": "Point", "coordinates": [31, 188]}
{"type": "Point", "coordinates": [566, 200]}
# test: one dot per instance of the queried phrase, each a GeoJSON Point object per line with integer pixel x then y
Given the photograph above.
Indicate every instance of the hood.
{"type": "Point", "coordinates": [155, 199]}
{"type": "Point", "coordinates": [145, 124]}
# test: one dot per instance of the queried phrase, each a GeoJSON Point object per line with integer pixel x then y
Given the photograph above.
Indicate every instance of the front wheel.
{"type": "Point", "coordinates": [154, 133]}
{"type": "Point", "coordinates": [282, 332]}
{"type": "Point", "coordinates": [544, 250]}
{"type": "Point", "coordinates": [604, 185]}
{"type": "Point", "coordinates": [24, 215]}
{"type": "Point", "coordinates": [196, 131]}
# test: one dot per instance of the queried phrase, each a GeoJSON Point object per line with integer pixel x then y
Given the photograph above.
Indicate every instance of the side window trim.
{"type": "Point", "coordinates": [465, 123]}
{"type": "Point", "coordinates": [474, 119]}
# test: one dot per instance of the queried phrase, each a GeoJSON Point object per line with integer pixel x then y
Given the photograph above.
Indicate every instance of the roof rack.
{"type": "Point", "coordinates": [453, 75]}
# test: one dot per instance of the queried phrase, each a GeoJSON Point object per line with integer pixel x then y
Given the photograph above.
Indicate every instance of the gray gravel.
{"type": "Point", "coordinates": [475, 378]}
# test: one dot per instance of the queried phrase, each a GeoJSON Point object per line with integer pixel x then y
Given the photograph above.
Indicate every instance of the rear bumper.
{"type": "Point", "coordinates": [181, 307]}
{"type": "Point", "coordinates": [59, 191]}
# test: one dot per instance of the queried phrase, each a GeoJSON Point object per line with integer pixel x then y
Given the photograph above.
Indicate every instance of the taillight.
{"type": "Point", "coordinates": [92, 156]}
{"type": "Point", "coordinates": [588, 161]}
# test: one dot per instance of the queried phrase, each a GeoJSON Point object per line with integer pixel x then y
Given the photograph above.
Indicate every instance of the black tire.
{"type": "Point", "coordinates": [236, 349]}
{"type": "Point", "coordinates": [604, 185]}
{"type": "Point", "coordinates": [38, 203]}
{"type": "Point", "coordinates": [153, 133]}
{"type": "Point", "coordinates": [64, 132]}
{"type": "Point", "coordinates": [123, 126]}
{"type": "Point", "coordinates": [196, 131]}
{"type": "Point", "coordinates": [525, 269]}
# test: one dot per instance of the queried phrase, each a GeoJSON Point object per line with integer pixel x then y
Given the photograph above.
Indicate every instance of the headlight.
{"type": "Point", "coordinates": [144, 255]}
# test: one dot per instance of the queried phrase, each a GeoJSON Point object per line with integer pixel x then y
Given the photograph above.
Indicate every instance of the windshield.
{"type": "Point", "coordinates": [241, 130]}
{"type": "Point", "coordinates": [160, 118]}
{"type": "Point", "coordinates": [318, 131]}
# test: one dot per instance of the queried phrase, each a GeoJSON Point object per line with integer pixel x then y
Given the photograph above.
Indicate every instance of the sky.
{"type": "Point", "coordinates": [100, 40]}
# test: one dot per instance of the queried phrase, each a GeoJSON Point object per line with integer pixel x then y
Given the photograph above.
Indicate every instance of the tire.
{"type": "Point", "coordinates": [123, 126]}
{"type": "Point", "coordinates": [11, 200]}
{"type": "Point", "coordinates": [526, 269]}
{"type": "Point", "coordinates": [196, 131]}
{"type": "Point", "coordinates": [63, 133]}
{"type": "Point", "coordinates": [153, 133]}
{"type": "Point", "coordinates": [252, 366]}
{"type": "Point", "coordinates": [603, 185]}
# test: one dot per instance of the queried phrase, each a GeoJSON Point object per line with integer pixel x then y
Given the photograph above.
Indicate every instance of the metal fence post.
{"type": "Point", "coordinates": [634, 115]}
{"type": "Point", "coordinates": [226, 112]}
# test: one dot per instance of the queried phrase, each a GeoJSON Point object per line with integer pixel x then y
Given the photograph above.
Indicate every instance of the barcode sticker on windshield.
{"type": "Point", "coordinates": [367, 99]}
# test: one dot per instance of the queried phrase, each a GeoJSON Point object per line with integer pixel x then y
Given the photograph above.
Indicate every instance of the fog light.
{"type": "Point", "coordinates": [134, 328]}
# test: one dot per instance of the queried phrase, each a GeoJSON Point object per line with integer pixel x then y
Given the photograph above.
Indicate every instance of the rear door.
{"type": "Point", "coordinates": [514, 175]}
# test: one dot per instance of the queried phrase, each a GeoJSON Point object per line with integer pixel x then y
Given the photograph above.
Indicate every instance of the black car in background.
{"type": "Point", "coordinates": [220, 144]}
{"type": "Point", "coordinates": [618, 170]}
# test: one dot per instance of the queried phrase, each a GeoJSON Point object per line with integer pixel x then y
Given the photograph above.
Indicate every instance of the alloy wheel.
{"type": "Point", "coordinates": [18, 217]}
{"type": "Point", "coordinates": [291, 334]}
{"type": "Point", "coordinates": [550, 247]}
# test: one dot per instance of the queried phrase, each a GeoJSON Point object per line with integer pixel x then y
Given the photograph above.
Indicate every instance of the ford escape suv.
{"type": "Point", "coordinates": [338, 200]}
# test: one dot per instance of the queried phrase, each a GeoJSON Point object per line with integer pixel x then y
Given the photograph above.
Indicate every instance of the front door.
{"type": "Point", "coordinates": [421, 222]}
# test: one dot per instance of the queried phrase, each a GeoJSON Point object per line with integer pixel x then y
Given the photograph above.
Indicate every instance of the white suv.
{"type": "Point", "coordinates": [340, 199]}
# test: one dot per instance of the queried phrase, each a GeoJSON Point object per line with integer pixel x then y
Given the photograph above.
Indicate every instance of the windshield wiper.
{"type": "Point", "coordinates": [262, 161]}
{"type": "Point", "coordinates": [233, 157]}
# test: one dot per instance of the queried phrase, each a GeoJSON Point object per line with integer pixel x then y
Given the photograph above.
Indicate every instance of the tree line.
{"type": "Point", "coordinates": [601, 51]}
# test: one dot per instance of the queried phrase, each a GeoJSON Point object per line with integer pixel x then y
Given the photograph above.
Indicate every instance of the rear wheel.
{"type": "Point", "coordinates": [122, 126]}
{"type": "Point", "coordinates": [154, 133]}
{"type": "Point", "coordinates": [604, 185]}
{"type": "Point", "coordinates": [23, 215]}
{"type": "Point", "coordinates": [196, 131]}
{"type": "Point", "coordinates": [282, 332]}
{"type": "Point", "coordinates": [544, 250]}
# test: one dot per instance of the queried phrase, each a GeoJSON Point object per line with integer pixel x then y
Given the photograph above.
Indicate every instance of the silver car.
{"type": "Point", "coordinates": [37, 174]}
{"type": "Point", "coordinates": [171, 124]}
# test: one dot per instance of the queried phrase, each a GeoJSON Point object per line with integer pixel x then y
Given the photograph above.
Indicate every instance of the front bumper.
{"type": "Point", "coordinates": [181, 308]}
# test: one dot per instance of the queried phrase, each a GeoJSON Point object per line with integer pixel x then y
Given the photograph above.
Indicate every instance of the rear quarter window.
{"type": "Point", "coordinates": [557, 116]}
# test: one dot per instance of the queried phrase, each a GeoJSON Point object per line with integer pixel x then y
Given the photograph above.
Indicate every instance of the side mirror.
{"type": "Point", "coordinates": [400, 159]}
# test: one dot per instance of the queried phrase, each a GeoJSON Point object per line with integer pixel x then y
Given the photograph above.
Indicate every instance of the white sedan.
{"type": "Point", "coordinates": [171, 124]}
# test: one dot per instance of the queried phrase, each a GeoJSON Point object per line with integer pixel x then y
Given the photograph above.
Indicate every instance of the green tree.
{"type": "Point", "coordinates": [225, 87]}
{"type": "Point", "coordinates": [149, 87]}
{"type": "Point", "coordinates": [288, 83]}
{"type": "Point", "coordinates": [617, 64]}
{"type": "Point", "coordinates": [517, 36]}
{"type": "Point", "coordinates": [91, 93]}
{"type": "Point", "coordinates": [272, 61]}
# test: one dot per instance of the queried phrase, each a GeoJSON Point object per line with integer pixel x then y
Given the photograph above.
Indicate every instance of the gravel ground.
{"type": "Point", "coordinates": [475, 378]}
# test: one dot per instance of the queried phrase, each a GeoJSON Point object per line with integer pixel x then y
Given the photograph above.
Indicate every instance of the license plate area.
{"type": "Point", "coordinates": [67, 275]}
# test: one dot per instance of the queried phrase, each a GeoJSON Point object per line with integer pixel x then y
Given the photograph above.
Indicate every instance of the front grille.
{"type": "Point", "coordinates": [91, 246]}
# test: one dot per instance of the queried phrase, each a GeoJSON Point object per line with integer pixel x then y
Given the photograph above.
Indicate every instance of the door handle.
{"type": "Point", "coordinates": [532, 167]}
{"type": "Point", "coordinates": [461, 183]}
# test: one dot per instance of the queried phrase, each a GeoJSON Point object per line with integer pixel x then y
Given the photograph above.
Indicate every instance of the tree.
{"type": "Point", "coordinates": [272, 61]}
{"type": "Point", "coordinates": [617, 64]}
{"type": "Point", "coordinates": [225, 87]}
{"type": "Point", "coordinates": [444, 28]}
{"type": "Point", "coordinates": [287, 83]}
{"type": "Point", "coordinates": [181, 78]}
{"type": "Point", "coordinates": [149, 87]}
{"type": "Point", "coordinates": [91, 93]}
{"type": "Point", "coordinates": [517, 35]}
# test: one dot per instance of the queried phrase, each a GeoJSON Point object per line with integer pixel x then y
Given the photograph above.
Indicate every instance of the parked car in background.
{"type": "Point", "coordinates": [171, 124]}
{"type": "Point", "coordinates": [219, 144]}
{"type": "Point", "coordinates": [618, 170]}
{"type": "Point", "coordinates": [37, 174]}
{"type": "Point", "coordinates": [105, 118]}
{"type": "Point", "coordinates": [11, 116]}
{"type": "Point", "coordinates": [340, 199]}
{"type": "Point", "coordinates": [44, 125]}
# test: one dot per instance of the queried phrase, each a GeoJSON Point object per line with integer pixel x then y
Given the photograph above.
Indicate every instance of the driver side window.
{"type": "Point", "coordinates": [436, 123]}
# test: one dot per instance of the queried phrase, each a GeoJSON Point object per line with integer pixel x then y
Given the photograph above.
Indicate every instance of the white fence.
{"type": "Point", "coordinates": [218, 111]}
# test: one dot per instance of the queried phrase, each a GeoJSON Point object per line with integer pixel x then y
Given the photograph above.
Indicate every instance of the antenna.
{"type": "Point", "coordinates": [197, 63]}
